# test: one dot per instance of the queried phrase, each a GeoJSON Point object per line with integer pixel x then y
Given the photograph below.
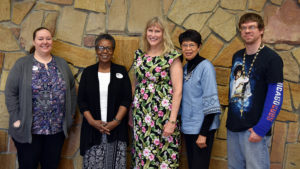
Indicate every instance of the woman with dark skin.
{"type": "Point", "coordinates": [104, 96]}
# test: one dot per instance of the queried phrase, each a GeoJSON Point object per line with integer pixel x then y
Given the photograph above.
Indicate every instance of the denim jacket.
{"type": "Point", "coordinates": [199, 98]}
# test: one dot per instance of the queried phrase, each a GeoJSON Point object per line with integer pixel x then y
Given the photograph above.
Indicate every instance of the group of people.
{"type": "Point", "coordinates": [41, 100]}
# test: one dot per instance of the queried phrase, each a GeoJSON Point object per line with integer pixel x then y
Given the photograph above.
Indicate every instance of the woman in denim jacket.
{"type": "Point", "coordinates": [200, 106]}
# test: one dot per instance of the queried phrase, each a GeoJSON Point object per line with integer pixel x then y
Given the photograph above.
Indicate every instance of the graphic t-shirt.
{"type": "Point", "coordinates": [248, 94]}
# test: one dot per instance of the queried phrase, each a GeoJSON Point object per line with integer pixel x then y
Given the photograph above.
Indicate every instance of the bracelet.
{"type": "Point", "coordinates": [117, 120]}
{"type": "Point", "coordinates": [173, 122]}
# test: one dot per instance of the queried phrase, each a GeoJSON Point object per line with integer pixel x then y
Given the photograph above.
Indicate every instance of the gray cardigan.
{"type": "Point", "coordinates": [18, 97]}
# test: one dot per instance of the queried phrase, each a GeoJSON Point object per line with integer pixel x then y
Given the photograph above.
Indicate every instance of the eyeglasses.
{"type": "Point", "coordinates": [251, 28]}
{"type": "Point", "coordinates": [191, 45]}
{"type": "Point", "coordinates": [107, 48]}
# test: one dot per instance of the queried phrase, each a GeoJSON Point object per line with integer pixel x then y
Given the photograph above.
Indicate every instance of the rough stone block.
{"type": "Point", "coordinates": [4, 116]}
{"type": "Point", "coordinates": [8, 161]}
{"type": "Point", "coordinates": [167, 4]}
{"type": "Point", "coordinates": [71, 25]}
{"type": "Point", "coordinates": [196, 21]}
{"type": "Point", "coordinates": [65, 163]}
{"type": "Point", "coordinates": [211, 47]}
{"type": "Point", "coordinates": [287, 103]}
{"type": "Point", "coordinates": [295, 91]}
{"type": "Point", "coordinates": [222, 75]}
{"type": "Point", "coordinates": [124, 51]}
{"type": "Point", "coordinates": [175, 35]}
{"type": "Point", "coordinates": [277, 2]}
{"type": "Point", "coordinates": [117, 16]}
{"type": "Point", "coordinates": [219, 149]}
{"type": "Point", "coordinates": [3, 80]}
{"type": "Point", "coordinates": [223, 23]}
{"type": "Point", "coordinates": [89, 41]}
{"type": "Point", "coordinates": [293, 132]}
{"type": "Point", "coordinates": [3, 140]}
{"type": "Point", "coordinates": [178, 15]}
{"type": "Point", "coordinates": [12, 147]}
{"type": "Point", "coordinates": [11, 58]}
{"type": "Point", "coordinates": [78, 161]}
{"type": "Point", "coordinates": [296, 53]}
{"type": "Point", "coordinates": [71, 144]}
{"type": "Point", "coordinates": [256, 5]}
{"type": "Point", "coordinates": [223, 94]}
{"type": "Point", "coordinates": [292, 157]}
{"type": "Point", "coordinates": [222, 131]}
{"type": "Point", "coordinates": [96, 24]}
{"type": "Point", "coordinates": [139, 16]}
{"type": "Point", "coordinates": [4, 10]}
{"type": "Point", "coordinates": [20, 10]}
{"type": "Point", "coordinates": [216, 163]}
{"type": "Point", "coordinates": [78, 117]}
{"type": "Point", "coordinates": [283, 46]}
{"type": "Point", "coordinates": [32, 21]}
{"type": "Point", "coordinates": [63, 2]}
{"type": "Point", "coordinates": [74, 70]}
{"type": "Point", "coordinates": [46, 6]}
{"type": "Point", "coordinates": [78, 56]}
{"type": "Point", "coordinates": [286, 116]}
{"type": "Point", "coordinates": [7, 40]}
{"type": "Point", "coordinates": [205, 32]}
{"type": "Point", "coordinates": [170, 26]}
{"type": "Point", "coordinates": [1, 61]}
{"type": "Point", "coordinates": [234, 4]}
{"type": "Point", "coordinates": [276, 166]}
{"type": "Point", "coordinates": [290, 72]}
{"type": "Point", "coordinates": [278, 144]}
{"type": "Point", "coordinates": [91, 5]}
{"type": "Point", "coordinates": [50, 22]}
{"type": "Point", "coordinates": [225, 58]}
{"type": "Point", "coordinates": [16, 32]}
{"type": "Point", "coordinates": [282, 23]}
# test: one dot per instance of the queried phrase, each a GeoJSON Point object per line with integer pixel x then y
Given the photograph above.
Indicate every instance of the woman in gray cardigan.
{"type": "Point", "coordinates": [40, 98]}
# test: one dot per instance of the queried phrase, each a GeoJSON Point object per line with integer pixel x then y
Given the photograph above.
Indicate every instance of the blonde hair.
{"type": "Point", "coordinates": [167, 42]}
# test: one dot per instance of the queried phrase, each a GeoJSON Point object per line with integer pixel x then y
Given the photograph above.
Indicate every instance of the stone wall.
{"type": "Point", "coordinates": [76, 23]}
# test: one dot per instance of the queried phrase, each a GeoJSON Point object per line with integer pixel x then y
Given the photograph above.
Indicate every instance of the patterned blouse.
{"type": "Point", "coordinates": [48, 98]}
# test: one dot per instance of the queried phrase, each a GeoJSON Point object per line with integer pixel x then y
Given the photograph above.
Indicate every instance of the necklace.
{"type": "Point", "coordinates": [189, 73]}
{"type": "Point", "coordinates": [245, 76]}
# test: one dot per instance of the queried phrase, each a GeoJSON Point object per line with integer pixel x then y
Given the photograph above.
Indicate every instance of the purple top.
{"type": "Point", "coordinates": [48, 98]}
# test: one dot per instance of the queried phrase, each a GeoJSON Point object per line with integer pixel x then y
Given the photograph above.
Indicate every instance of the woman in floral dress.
{"type": "Point", "coordinates": [157, 99]}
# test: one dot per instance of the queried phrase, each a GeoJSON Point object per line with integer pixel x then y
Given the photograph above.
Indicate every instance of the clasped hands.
{"type": "Point", "coordinates": [104, 127]}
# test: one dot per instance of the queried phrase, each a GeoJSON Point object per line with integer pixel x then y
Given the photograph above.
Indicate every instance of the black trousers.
{"type": "Point", "coordinates": [44, 149]}
{"type": "Point", "coordinates": [198, 158]}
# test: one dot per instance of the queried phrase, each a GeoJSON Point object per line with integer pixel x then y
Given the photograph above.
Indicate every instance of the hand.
{"type": "Point", "coordinates": [201, 141]}
{"type": "Point", "coordinates": [99, 125]}
{"type": "Point", "coordinates": [254, 138]}
{"type": "Point", "coordinates": [110, 126]}
{"type": "Point", "coordinates": [169, 129]}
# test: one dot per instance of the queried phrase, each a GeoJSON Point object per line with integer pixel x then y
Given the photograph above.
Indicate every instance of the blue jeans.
{"type": "Point", "coordinates": [243, 154]}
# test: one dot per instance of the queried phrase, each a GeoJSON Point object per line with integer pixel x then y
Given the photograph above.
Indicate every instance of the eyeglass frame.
{"type": "Point", "coordinates": [191, 45]}
{"type": "Point", "coordinates": [107, 48]}
{"type": "Point", "coordinates": [251, 28]}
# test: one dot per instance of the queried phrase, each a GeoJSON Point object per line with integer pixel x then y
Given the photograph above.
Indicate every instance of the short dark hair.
{"type": "Point", "coordinates": [190, 35]}
{"type": "Point", "coordinates": [254, 18]}
{"type": "Point", "coordinates": [105, 36]}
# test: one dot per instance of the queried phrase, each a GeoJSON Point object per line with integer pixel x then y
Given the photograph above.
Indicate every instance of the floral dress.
{"type": "Point", "coordinates": [151, 110]}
